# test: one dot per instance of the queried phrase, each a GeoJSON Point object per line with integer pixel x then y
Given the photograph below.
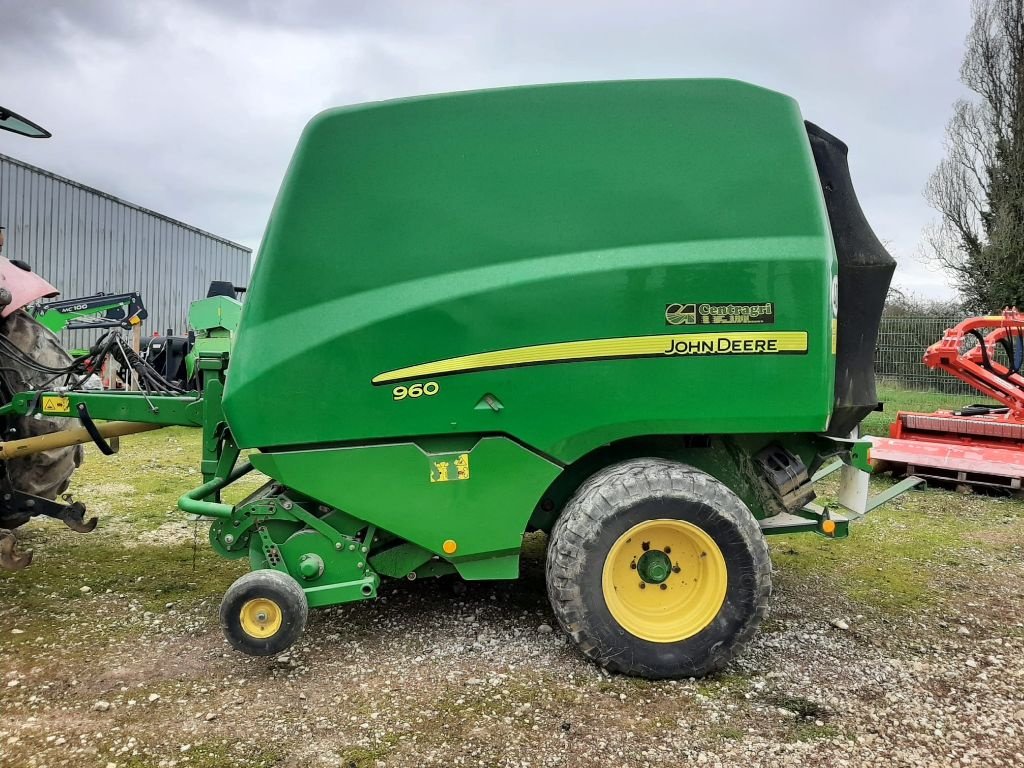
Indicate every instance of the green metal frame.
{"type": "Point", "coordinates": [440, 344]}
{"type": "Point", "coordinates": [57, 320]}
{"type": "Point", "coordinates": [185, 411]}
{"type": "Point", "coordinates": [214, 321]}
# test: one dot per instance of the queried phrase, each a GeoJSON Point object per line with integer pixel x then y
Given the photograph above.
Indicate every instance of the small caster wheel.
{"type": "Point", "coordinates": [263, 612]}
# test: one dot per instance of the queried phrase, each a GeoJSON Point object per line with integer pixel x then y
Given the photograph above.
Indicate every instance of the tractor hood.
{"type": "Point", "coordinates": [20, 286]}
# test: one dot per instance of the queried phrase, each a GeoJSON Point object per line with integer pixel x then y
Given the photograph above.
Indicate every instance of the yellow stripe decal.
{"type": "Point", "coordinates": [661, 345]}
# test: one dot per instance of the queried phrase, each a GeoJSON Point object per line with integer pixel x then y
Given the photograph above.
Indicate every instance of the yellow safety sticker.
{"type": "Point", "coordinates": [56, 404]}
{"type": "Point", "coordinates": [445, 469]}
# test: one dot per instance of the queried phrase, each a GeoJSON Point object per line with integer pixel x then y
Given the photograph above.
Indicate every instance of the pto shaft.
{"type": "Point", "coordinates": [13, 449]}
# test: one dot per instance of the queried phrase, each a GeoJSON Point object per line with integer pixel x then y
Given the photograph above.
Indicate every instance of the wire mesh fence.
{"type": "Point", "coordinates": [901, 345]}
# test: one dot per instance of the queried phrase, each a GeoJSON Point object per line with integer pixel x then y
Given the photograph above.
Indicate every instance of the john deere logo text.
{"type": "Point", "coordinates": [736, 343]}
{"type": "Point", "coordinates": [723, 345]}
{"type": "Point", "coordinates": [719, 314]}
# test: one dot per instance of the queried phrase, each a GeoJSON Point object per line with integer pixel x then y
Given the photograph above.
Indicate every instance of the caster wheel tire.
{"type": "Point", "coordinates": [263, 612]}
{"type": "Point", "coordinates": [658, 570]}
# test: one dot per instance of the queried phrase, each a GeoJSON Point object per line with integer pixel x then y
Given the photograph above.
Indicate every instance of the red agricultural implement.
{"type": "Point", "coordinates": [980, 445]}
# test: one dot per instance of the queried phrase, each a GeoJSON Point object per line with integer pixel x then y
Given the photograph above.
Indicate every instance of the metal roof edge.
{"type": "Point", "coordinates": [121, 201]}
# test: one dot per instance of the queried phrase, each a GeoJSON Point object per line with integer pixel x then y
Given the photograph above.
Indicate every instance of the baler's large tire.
{"type": "Point", "coordinates": [658, 570]}
{"type": "Point", "coordinates": [48, 473]}
{"type": "Point", "coordinates": [263, 612]}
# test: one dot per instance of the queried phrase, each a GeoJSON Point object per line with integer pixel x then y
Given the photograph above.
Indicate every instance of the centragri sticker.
{"type": "Point", "coordinates": [720, 314]}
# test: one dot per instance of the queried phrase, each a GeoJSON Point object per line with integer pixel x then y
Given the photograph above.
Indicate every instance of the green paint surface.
{"type": "Point", "coordinates": [394, 487]}
{"type": "Point", "coordinates": [424, 229]}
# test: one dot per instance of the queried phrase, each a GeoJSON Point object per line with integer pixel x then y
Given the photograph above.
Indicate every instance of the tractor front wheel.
{"type": "Point", "coordinates": [658, 570]}
{"type": "Point", "coordinates": [263, 612]}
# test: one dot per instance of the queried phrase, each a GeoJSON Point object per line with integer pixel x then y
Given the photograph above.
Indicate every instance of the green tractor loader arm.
{"type": "Point", "coordinates": [102, 310]}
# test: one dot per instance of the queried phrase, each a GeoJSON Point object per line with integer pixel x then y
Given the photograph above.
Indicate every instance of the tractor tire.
{"type": "Point", "coordinates": [658, 570]}
{"type": "Point", "coordinates": [48, 473]}
{"type": "Point", "coordinates": [263, 612]}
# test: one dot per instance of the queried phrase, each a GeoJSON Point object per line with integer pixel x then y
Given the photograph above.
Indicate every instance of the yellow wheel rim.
{"type": "Point", "coordinates": [261, 618]}
{"type": "Point", "coordinates": [664, 580]}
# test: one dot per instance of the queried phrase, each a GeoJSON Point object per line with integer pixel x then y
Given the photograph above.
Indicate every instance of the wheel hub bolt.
{"type": "Point", "coordinates": [311, 566]}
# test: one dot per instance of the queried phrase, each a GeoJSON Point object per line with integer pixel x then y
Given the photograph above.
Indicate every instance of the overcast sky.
{"type": "Point", "coordinates": [193, 108]}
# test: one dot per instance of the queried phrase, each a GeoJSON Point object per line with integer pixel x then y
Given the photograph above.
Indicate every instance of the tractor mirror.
{"type": "Point", "coordinates": [11, 121]}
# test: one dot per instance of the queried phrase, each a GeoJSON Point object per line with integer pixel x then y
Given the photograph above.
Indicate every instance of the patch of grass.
{"type": "Point", "coordinates": [893, 556]}
{"type": "Point", "coordinates": [218, 756]}
{"type": "Point", "coordinates": [152, 574]}
{"type": "Point", "coordinates": [890, 557]}
{"type": "Point", "coordinates": [138, 488]}
{"type": "Point", "coordinates": [809, 714]}
{"type": "Point", "coordinates": [140, 485]}
{"type": "Point", "coordinates": [811, 732]}
{"type": "Point", "coordinates": [803, 707]}
{"type": "Point", "coordinates": [724, 684]}
{"type": "Point", "coordinates": [506, 699]}
{"type": "Point", "coordinates": [726, 733]}
{"type": "Point", "coordinates": [366, 757]}
{"type": "Point", "coordinates": [132, 492]}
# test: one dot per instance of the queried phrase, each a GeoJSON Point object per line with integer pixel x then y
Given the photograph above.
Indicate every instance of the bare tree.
{"type": "Point", "coordinates": [978, 188]}
{"type": "Point", "coordinates": [902, 303]}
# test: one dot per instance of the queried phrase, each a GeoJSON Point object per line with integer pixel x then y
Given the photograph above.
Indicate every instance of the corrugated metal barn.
{"type": "Point", "coordinates": [85, 242]}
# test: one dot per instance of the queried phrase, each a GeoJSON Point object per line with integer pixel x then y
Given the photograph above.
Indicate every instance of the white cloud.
{"type": "Point", "coordinates": [193, 109]}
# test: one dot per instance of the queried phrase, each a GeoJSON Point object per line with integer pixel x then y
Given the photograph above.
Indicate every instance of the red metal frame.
{"type": "Point", "coordinates": [1001, 385]}
{"type": "Point", "coordinates": [986, 449]}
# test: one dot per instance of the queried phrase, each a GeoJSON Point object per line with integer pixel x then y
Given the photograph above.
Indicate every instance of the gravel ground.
{"type": "Point", "coordinates": [901, 647]}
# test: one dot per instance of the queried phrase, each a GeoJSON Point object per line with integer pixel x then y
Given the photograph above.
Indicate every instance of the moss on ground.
{"type": "Point", "coordinates": [218, 756]}
{"type": "Point", "coordinates": [134, 493]}
{"type": "Point", "coordinates": [367, 757]}
{"type": "Point", "coordinates": [804, 731]}
{"type": "Point", "coordinates": [723, 684]}
{"type": "Point", "coordinates": [901, 554]}
{"type": "Point", "coordinates": [726, 733]}
{"type": "Point", "coordinates": [894, 556]}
